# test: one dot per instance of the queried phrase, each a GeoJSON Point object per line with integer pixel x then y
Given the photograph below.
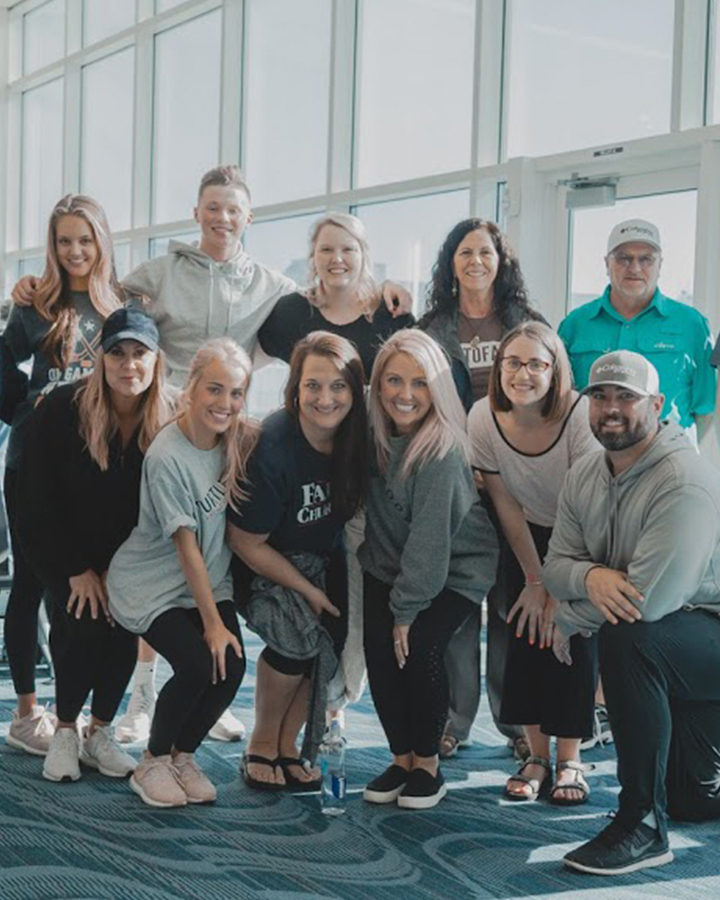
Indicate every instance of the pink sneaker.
{"type": "Point", "coordinates": [157, 782]}
{"type": "Point", "coordinates": [197, 786]}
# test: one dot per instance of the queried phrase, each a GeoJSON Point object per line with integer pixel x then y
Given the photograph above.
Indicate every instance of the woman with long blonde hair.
{"type": "Point", "coordinates": [429, 556]}
{"type": "Point", "coordinates": [170, 581]}
{"type": "Point", "coordinates": [60, 332]}
{"type": "Point", "coordinates": [78, 493]}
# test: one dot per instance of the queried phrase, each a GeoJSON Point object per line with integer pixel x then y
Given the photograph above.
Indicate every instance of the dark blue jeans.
{"type": "Point", "coordinates": [662, 688]}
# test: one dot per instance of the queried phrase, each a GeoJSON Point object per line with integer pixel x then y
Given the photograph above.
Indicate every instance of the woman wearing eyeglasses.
{"type": "Point", "coordinates": [525, 435]}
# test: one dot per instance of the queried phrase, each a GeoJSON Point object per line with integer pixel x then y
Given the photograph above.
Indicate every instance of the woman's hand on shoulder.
{"type": "Point", "coordinates": [88, 588]}
{"type": "Point", "coordinates": [219, 638]}
{"type": "Point", "coordinates": [24, 291]}
{"type": "Point", "coordinates": [319, 603]}
{"type": "Point", "coordinates": [398, 301]}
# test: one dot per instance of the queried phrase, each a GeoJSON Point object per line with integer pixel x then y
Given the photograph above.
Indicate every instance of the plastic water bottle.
{"type": "Point", "coordinates": [332, 764]}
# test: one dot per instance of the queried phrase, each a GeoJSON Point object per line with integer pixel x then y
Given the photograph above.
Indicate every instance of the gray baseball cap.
{"type": "Point", "coordinates": [623, 368]}
{"type": "Point", "coordinates": [634, 230]}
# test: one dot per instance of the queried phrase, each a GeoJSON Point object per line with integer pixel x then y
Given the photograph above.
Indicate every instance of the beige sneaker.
{"type": "Point", "coordinates": [33, 732]}
{"type": "Point", "coordinates": [157, 782]}
{"type": "Point", "coordinates": [197, 786]}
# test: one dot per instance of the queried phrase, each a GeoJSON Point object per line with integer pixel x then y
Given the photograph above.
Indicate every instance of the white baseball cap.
{"type": "Point", "coordinates": [634, 230]}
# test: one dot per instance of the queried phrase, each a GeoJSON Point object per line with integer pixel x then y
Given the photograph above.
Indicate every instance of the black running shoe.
{"type": "Point", "coordinates": [619, 849]}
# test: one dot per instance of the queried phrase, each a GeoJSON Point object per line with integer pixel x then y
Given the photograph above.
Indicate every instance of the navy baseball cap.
{"type": "Point", "coordinates": [129, 324]}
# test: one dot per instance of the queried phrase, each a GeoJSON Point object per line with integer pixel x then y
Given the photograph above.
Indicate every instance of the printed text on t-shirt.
{"type": "Point", "coordinates": [315, 502]}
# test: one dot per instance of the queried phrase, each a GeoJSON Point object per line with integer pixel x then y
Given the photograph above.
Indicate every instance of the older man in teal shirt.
{"type": "Point", "coordinates": [633, 314]}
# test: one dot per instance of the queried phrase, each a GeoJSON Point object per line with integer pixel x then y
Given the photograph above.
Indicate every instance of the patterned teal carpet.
{"type": "Point", "coordinates": [95, 840]}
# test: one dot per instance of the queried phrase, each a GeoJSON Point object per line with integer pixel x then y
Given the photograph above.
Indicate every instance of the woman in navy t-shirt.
{"type": "Point", "coordinates": [306, 479]}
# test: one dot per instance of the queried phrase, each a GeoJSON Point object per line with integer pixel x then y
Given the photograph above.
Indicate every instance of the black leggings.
{"type": "Point", "coordinates": [411, 702]}
{"type": "Point", "coordinates": [190, 704]}
{"type": "Point", "coordinates": [21, 614]}
{"type": "Point", "coordinates": [89, 655]}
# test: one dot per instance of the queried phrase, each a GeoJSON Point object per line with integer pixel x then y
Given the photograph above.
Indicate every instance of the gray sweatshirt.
{"type": "Point", "coordinates": [427, 532]}
{"type": "Point", "coordinates": [193, 298]}
{"type": "Point", "coordinates": [658, 521]}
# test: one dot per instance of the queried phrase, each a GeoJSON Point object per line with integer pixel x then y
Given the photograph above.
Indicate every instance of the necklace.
{"type": "Point", "coordinates": [474, 326]}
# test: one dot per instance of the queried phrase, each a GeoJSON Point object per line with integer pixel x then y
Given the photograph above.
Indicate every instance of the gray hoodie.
{"type": "Point", "coordinates": [658, 521]}
{"type": "Point", "coordinates": [193, 298]}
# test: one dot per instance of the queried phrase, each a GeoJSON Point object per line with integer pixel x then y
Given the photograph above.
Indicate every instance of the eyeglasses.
{"type": "Point", "coordinates": [646, 261]}
{"type": "Point", "coordinates": [534, 366]}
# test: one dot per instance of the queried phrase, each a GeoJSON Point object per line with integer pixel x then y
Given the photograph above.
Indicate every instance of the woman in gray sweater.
{"type": "Point", "coordinates": [429, 555]}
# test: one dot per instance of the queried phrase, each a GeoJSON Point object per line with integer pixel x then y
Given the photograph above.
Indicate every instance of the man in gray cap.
{"type": "Point", "coordinates": [635, 556]}
{"type": "Point", "coordinates": [633, 314]}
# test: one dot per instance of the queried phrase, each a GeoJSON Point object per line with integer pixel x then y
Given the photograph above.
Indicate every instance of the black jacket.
{"type": "Point", "coordinates": [72, 516]}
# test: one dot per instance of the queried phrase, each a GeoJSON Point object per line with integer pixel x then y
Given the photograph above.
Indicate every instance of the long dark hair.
{"type": "Point", "coordinates": [510, 299]}
{"type": "Point", "coordinates": [348, 484]}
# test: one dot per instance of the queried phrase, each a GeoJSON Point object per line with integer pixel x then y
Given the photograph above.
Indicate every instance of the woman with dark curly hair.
{"type": "Point", "coordinates": [477, 295]}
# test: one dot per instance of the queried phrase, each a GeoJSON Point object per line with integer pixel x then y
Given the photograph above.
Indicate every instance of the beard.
{"type": "Point", "coordinates": [629, 436]}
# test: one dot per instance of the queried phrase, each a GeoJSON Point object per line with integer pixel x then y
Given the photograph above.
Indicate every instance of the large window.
{"type": "Point", "coordinates": [101, 18]}
{"type": "Point", "coordinates": [415, 89]}
{"type": "Point", "coordinates": [583, 73]}
{"type": "Point", "coordinates": [42, 140]}
{"type": "Point", "coordinates": [43, 35]}
{"type": "Point", "coordinates": [107, 135]}
{"type": "Point", "coordinates": [405, 236]}
{"type": "Point", "coordinates": [288, 94]}
{"type": "Point", "coordinates": [187, 113]}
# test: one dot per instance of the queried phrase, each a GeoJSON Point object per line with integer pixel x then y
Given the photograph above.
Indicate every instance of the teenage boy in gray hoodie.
{"type": "Point", "coordinates": [635, 556]}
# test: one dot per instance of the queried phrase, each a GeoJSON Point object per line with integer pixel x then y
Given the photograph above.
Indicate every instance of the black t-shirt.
{"type": "Point", "coordinates": [294, 317]}
{"type": "Point", "coordinates": [289, 486]}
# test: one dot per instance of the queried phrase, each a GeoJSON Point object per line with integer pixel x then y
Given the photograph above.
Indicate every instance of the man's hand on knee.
{"type": "Point", "coordinates": [613, 594]}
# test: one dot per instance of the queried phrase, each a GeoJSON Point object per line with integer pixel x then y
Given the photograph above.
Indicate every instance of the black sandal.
{"type": "Point", "coordinates": [292, 781]}
{"type": "Point", "coordinates": [536, 786]}
{"type": "Point", "coordinates": [256, 783]}
{"type": "Point", "coordinates": [578, 784]}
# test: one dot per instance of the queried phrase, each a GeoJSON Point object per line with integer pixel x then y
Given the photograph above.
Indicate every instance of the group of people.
{"type": "Point", "coordinates": [414, 471]}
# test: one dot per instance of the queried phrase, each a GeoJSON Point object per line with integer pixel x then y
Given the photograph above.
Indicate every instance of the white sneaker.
{"type": "Point", "coordinates": [62, 762]}
{"type": "Point", "coordinates": [100, 751]}
{"type": "Point", "coordinates": [197, 786]}
{"type": "Point", "coordinates": [135, 724]}
{"type": "Point", "coordinates": [227, 728]}
{"type": "Point", "coordinates": [33, 732]}
{"type": "Point", "coordinates": [157, 782]}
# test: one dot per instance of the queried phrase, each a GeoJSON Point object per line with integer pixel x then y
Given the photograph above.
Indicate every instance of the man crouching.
{"type": "Point", "coordinates": [635, 555]}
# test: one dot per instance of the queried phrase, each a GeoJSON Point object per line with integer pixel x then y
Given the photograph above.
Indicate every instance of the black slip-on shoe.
{"type": "Point", "coordinates": [423, 790]}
